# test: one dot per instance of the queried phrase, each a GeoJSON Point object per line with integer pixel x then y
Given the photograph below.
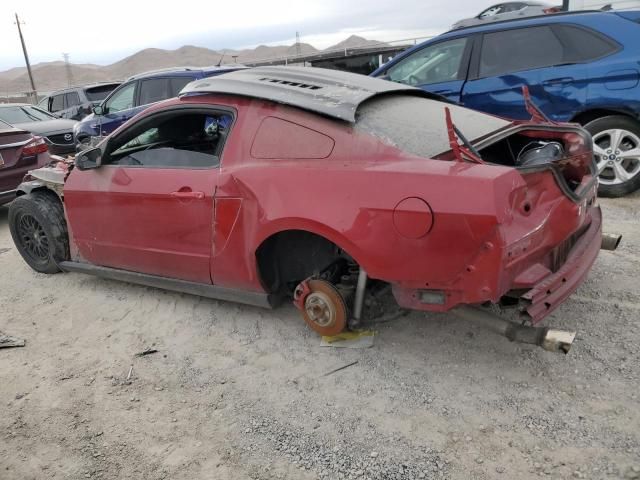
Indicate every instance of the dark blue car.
{"type": "Point", "coordinates": [580, 67]}
{"type": "Point", "coordinates": [136, 94]}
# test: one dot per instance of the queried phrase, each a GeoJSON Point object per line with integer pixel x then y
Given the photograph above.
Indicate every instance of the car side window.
{"type": "Point", "coordinates": [57, 103]}
{"type": "Point", "coordinates": [519, 49]}
{"type": "Point", "coordinates": [72, 99]}
{"type": "Point", "coordinates": [184, 140]}
{"type": "Point", "coordinates": [122, 99]}
{"type": "Point", "coordinates": [583, 45]}
{"type": "Point", "coordinates": [437, 63]}
{"type": "Point", "coordinates": [178, 83]}
{"type": "Point", "coordinates": [153, 90]}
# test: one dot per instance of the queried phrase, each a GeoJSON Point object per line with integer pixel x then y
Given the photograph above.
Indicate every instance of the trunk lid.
{"type": "Point", "coordinates": [12, 141]}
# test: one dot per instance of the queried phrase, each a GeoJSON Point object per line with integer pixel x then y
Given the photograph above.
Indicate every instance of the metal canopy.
{"type": "Point", "coordinates": [328, 92]}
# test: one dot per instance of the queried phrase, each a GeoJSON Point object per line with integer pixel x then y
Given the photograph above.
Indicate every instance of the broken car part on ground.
{"type": "Point", "coordinates": [326, 187]}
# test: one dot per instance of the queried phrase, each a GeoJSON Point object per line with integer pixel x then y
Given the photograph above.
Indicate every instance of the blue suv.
{"type": "Point", "coordinates": [580, 67]}
{"type": "Point", "coordinates": [136, 94]}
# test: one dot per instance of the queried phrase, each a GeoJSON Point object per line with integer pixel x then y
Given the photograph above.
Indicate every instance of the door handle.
{"type": "Point", "coordinates": [558, 81]}
{"type": "Point", "coordinates": [188, 194]}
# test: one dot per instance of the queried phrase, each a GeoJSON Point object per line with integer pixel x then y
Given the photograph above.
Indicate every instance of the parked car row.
{"type": "Point", "coordinates": [56, 132]}
{"type": "Point", "coordinates": [579, 67]}
{"type": "Point", "coordinates": [246, 148]}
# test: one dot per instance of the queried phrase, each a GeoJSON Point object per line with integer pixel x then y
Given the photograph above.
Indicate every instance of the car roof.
{"type": "Point", "coordinates": [516, 23]}
{"type": "Point", "coordinates": [331, 93]}
{"type": "Point", "coordinates": [16, 105]}
{"type": "Point", "coordinates": [82, 87]}
{"type": "Point", "coordinates": [180, 71]}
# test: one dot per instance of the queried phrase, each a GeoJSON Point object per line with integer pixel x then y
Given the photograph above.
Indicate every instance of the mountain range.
{"type": "Point", "coordinates": [50, 76]}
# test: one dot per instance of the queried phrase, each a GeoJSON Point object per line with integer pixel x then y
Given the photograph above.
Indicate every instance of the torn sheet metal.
{"type": "Point", "coordinates": [9, 342]}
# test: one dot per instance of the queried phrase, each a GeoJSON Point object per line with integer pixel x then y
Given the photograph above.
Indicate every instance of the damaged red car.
{"type": "Point", "coordinates": [324, 188]}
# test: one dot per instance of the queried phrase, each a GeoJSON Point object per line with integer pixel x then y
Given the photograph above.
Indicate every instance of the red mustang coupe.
{"type": "Point", "coordinates": [323, 186]}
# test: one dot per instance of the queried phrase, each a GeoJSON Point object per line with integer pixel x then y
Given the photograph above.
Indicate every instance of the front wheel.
{"type": "Point", "coordinates": [616, 146]}
{"type": "Point", "coordinates": [39, 230]}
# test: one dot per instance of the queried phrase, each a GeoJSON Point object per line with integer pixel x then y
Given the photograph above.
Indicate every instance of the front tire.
{"type": "Point", "coordinates": [39, 230]}
{"type": "Point", "coordinates": [616, 146]}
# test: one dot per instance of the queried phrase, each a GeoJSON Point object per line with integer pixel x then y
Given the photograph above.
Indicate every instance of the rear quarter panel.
{"type": "Point", "coordinates": [614, 81]}
{"type": "Point", "coordinates": [349, 198]}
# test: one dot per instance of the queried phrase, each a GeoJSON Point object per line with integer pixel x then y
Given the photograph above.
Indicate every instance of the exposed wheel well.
{"type": "Point", "coordinates": [585, 117]}
{"type": "Point", "coordinates": [288, 257]}
{"type": "Point", "coordinates": [20, 193]}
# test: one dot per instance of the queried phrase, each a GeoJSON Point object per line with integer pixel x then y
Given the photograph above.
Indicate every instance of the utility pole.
{"type": "Point", "coordinates": [298, 46]}
{"type": "Point", "coordinates": [68, 68]}
{"type": "Point", "coordinates": [33, 92]}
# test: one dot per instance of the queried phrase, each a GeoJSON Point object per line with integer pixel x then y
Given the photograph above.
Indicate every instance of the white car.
{"type": "Point", "coordinates": [508, 11]}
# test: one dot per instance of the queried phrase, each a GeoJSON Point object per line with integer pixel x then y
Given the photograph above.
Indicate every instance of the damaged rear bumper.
{"type": "Point", "coordinates": [548, 294]}
{"type": "Point", "coordinates": [538, 287]}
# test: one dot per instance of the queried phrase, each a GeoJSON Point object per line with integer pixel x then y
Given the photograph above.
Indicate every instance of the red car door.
{"type": "Point", "coordinates": [149, 209]}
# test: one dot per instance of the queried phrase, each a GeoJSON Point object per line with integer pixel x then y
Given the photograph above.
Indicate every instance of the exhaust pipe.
{"type": "Point", "coordinates": [610, 241]}
{"type": "Point", "coordinates": [552, 340]}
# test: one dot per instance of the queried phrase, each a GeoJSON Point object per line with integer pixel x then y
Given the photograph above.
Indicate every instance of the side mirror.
{"type": "Point", "coordinates": [89, 159]}
{"type": "Point", "coordinates": [99, 110]}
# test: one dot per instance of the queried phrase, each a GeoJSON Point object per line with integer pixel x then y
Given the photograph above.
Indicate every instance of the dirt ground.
{"type": "Point", "coordinates": [236, 392]}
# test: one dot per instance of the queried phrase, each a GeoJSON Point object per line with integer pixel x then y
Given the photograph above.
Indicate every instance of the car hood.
{"type": "Point", "coordinates": [48, 127]}
{"type": "Point", "coordinates": [89, 118]}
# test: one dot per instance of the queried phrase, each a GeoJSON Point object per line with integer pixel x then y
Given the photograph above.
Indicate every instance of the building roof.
{"type": "Point", "coordinates": [332, 93]}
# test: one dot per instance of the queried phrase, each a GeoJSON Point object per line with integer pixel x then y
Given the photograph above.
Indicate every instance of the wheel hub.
{"type": "Point", "coordinates": [322, 305]}
{"type": "Point", "coordinates": [319, 309]}
{"type": "Point", "coordinates": [34, 240]}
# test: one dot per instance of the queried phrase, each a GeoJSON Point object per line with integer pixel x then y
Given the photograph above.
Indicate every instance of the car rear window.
{"type": "Point", "coordinates": [581, 45]}
{"type": "Point", "coordinates": [417, 125]}
{"type": "Point", "coordinates": [97, 94]}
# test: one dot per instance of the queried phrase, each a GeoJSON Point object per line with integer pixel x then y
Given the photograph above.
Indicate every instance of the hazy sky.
{"type": "Point", "coordinates": [104, 32]}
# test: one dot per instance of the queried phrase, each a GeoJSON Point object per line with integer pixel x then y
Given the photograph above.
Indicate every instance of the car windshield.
{"type": "Point", "coordinates": [23, 114]}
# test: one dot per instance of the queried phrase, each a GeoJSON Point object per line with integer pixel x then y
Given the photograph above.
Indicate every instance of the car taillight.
{"type": "Point", "coordinates": [34, 147]}
{"type": "Point", "coordinates": [552, 10]}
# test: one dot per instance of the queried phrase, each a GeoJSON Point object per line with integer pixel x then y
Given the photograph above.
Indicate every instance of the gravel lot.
{"type": "Point", "coordinates": [235, 392]}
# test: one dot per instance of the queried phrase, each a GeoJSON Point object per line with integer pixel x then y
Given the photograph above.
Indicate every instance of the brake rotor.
{"type": "Point", "coordinates": [324, 309]}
